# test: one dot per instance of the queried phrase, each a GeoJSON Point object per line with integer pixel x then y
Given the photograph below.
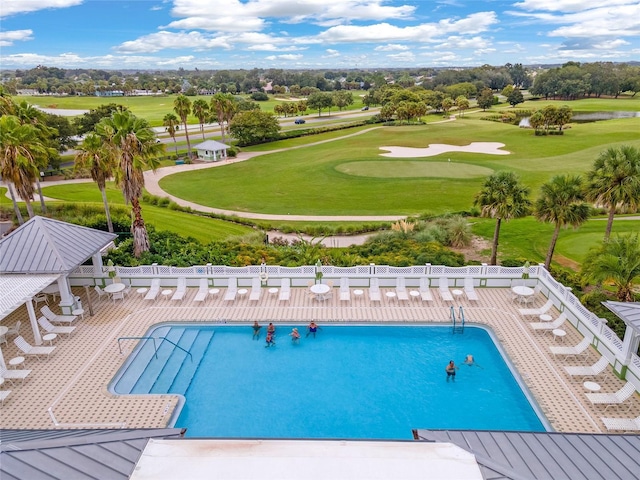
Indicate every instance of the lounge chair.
{"type": "Point", "coordinates": [181, 291]}
{"type": "Point", "coordinates": [203, 291]}
{"type": "Point", "coordinates": [256, 289]}
{"type": "Point", "coordinates": [443, 290]}
{"type": "Point", "coordinates": [549, 326]}
{"type": "Point", "coordinates": [30, 350]}
{"type": "Point", "coordinates": [374, 290]}
{"type": "Point", "coordinates": [12, 375]}
{"type": "Point", "coordinates": [154, 290]}
{"type": "Point", "coordinates": [469, 290]}
{"type": "Point", "coordinates": [401, 289]}
{"type": "Point", "coordinates": [625, 424]}
{"type": "Point", "coordinates": [232, 290]}
{"type": "Point", "coordinates": [610, 399]}
{"type": "Point", "coordinates": [49, 328]}
{"type": "Point", "coordinates": [3, 395]}
{"type": "Point", "coordinates": [53, 318]}
{"type": "Point", "coordinates": [425, 291]}
{"type": "Point", "coordinates": [345, 293]}
{"type": "Point", "coordinates": [589, 371]}
{"type": "Point", "coordinates": [579, 349]}
{"type": "Point", "coordinates": [101, 293]}
{"type": "Point", "coordinates": [536, 312]}
{"type": "Point", "coordinates": [285, 290]}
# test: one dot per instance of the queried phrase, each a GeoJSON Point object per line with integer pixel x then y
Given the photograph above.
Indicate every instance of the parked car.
{"type": "Point", "coordinates": [300, 121]}
{"type": "Point", "coordinates": [365, 108]}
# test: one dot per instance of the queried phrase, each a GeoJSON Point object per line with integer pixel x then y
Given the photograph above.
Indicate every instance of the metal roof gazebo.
{"type": "Point", "coordinates": [629, 313]}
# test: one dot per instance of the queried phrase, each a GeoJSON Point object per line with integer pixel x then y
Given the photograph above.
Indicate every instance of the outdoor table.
{"type": "Point", "coordinates": [592, 386]}
{"type": "Point", "coordinates": [457, 293]}
{"type": "Point", "coordinates": [50, 337]}
{"type": "Point", "coordinates": [3, 330]}
{"type": "Point", "coordinates": [414, 294]}
{"type": "Point", "coordinates": [16, 362]}
{"type": "Point", "coordinates": [545, 317]}
{"type": "Point", "coordinates": [242, 292]}
{"type": "Point", "coordinates": [214, 291]}
{"type": "Point", "coordinates": [391, 295]}
{"type": "Point", "coordinates": [142, 291]}
{"type": "Point", "coordinates": [320, 290]}
{"type": "Point", "coordinates": [273, 291]}
{"type": "Point", "coordinates": [114, 287]}
{"type": "Point", "coordinates": [52, 290]}
{"type": "Point", "coordinates": [166, 293]}
{"type": "Point", "coordinates": [78, 312]}
{"type": "Point", "coordinates": [358, 293]}
{"type": "Point", "coordinates": [521, 291]}
{"type": "Point", "coordinates": [558, 333]}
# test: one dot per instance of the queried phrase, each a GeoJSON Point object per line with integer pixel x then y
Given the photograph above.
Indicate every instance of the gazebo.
{"type": "Point", "coordinates": [629, 313]}
{"type": "Point", "coordinates": [211, 151]}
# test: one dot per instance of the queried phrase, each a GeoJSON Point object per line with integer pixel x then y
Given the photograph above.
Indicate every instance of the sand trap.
{"type": "Point", "coordinates": [489, 148]}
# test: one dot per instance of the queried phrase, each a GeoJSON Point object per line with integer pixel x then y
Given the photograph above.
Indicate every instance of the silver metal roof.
{"type": "Point", "coordinates": [17, 289]}
{"type": "Point", "coordinates": [629, 312]}
{"type": "Point", "coordinates": [547, 455]}
{"type": "Point", "coordinates": [211, 145]}
{"type": "Point", "coordinates": [74, 454]}
{"type": "Point", "coordinates": [44, 245]}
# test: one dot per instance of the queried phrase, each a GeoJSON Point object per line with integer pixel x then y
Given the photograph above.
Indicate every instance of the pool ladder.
{"type": "Point", "coordinates": [458, 323]}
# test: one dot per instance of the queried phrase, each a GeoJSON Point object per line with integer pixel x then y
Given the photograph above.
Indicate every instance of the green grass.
{"type": "Point", "coordinates": [628, 104]}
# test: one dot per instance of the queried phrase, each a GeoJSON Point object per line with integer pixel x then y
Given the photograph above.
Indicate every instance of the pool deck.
{"type": "Point", "coordinates": [71, 386]}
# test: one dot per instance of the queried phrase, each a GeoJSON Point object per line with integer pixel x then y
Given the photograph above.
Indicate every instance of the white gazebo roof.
{"type": "Point", "coordinates": [629, 312]}
{"type": "Point", "coordinates": [211, 145]}
{"type": "Point", "coordinates": [18, 289]}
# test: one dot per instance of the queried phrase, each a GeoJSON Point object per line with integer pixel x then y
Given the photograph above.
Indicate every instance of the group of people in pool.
{"type": "Point", "coordinates": [451, 367]}
{"type": "Point", "coordinates": [312, 329]}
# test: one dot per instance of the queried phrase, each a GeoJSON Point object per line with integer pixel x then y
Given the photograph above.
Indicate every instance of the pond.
{"type": "Point", "coordinates": [585, 117]}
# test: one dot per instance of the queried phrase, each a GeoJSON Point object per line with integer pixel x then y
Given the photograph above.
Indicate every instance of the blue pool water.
{"type": "Point", "coordinates": [348, 382]}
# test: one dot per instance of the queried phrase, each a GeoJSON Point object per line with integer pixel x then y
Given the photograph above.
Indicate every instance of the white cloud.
{"type": "Point", "coordinates": [184, 60]}
{"type": "Point", "coordinates": [390, 47]}
{"type": "Point", "coordinates": [270, 47]}
{"type": "Point", "coordinates": [156, 42]}
{"type": "Point", "coordinates": [8, 38]}
{"type": "Point", "coordinates": [14, 7]}
{"type": "Point", "coordinates": [289, 57]}
{"type": "Point", "coordinates": [464, 42]}
{"type": "Point", "coordinates": [331, 53]}
{"type": "Point", "coordinates": [568, 6]}
{"type": "Point", "coordinates": [402, 56]}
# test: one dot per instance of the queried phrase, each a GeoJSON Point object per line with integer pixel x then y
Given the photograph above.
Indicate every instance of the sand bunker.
{"type": "Point", "coordinates": [489, 148]}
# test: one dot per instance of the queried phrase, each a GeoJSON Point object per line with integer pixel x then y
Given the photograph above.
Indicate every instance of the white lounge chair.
{"type": "Point", "coordinates": [285, 290]}
{"type": "Point", "coordinates": [443, 290]}
{"type": "Point", "coordinates": [579, 349]}
{"type": "Point", "coordinates": [611, 399]}
{"type": "Point", "coordinates": [203, 291]}
{"type": "Point", "coordinates": [181, 290]}
{"type": "Point", "coordinates": [30, 350]}
{"type": "Point", "coordinates": [12, 375]}
{"type": "Point", "coordinates": [469, 291]}
{"type": "Point", "coordinates": [3, 395]}
{"type": "Point", "coordinates": [589, 371]}
{"type": "Point", "coordinates": [154, 290]}
{"type": "Point", "coordinates": [53, 318]}
{"type": "Point", "coordinates": [401, 289]}
{"type": "Point", "coordinates": [256, 289]}
{"type": "Point", "coordinates": [625, 424]}
{"type": "Point", "coordinates": [374, 290]}
{"type": "Point", "coordinates": [232, 290]}
{"type": "Point", "coordinates": [345, 293]}
{"type": "Point", "coordinates": [101, 293]}
{"type": "Point", "coordinates": [425, 291]}
{"type": "Point", "coordinates": [549, 326]}
{"type": "Point", "coordinates": [49, 328]}
{"type": "Point", "coordinates": [536, 312]}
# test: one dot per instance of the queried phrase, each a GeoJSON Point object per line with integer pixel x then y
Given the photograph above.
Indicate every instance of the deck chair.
{"type": "Point", "coordinates": [345, 293]}
{"type": "Point", "coordinates": [531, 298]}
{"type": "Point", "coordinates": [612, 399]}
{"type": "Point", "coordinates": [589, 371]}
{"type": "Point", "coordinates": [232, 289]}
{"type": "Point", "coordinates": [101, 293]}
{"type": "Point", "coordinates": [256, 289]}
{"type": "Point", "coordinates": [285, 290]}
{"type": "Point", "coordinates": [443, 290]}
{"type": "Point", "coordinates": [14, 331]}
{"type": "Point", "coordinates": [49, 328]}
{"type": "Point", "coordinates": [42, 297]}
{"type": "Point", "coordinates": [625, 424]}
{"type": "Point", "coordinates": [12, 375]}
{"type": "Point", "coordinates": [374, 290]}
{"type": "Point", "coordinates": [117, 296]}
{"type": "Point", "coordinates": [469, 290]}
{"type": "Point", "coordinates": [30, 350]}
{"type": "Point", "coordinates": [3, 395]}
{"type": "Point", "coordinates": [53, 318]}
{"type": "Point", "coordinates": [536, 312]}
{"type": "Point", "coordinates": [549, 326]}
{"type": "Point", "coordinates": [181, 291]}
{"type": "Point", "coordinates": [203, 291]}
{"type": "Point", "coordinates": [579, 349]}
{"type": "Point", "coordinates": [425, 291]}
{"type": "Point", "coordinates": [401, 289]}
{"type": "Point", "coordinates": [154, 290]}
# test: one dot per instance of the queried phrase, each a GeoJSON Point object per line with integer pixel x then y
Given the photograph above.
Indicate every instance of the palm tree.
{"type": "Point", "coordinates": [182, 107]}
{"type": "Point", "coordinates": [614, 181]}
{"type": "Point", "coordinates": [561, 202]}
{"type": "Point", "coordinates": [616, 261]}
{"type": "Point", "coordinates": [201, 112]}
{"type": "Point", "coordinates": [223, 107]}
{"type": "Point", "coordinates": [172, 123]}
{"type": "Point", "coordinates": [132, 145]}
{"type": "Point", "coordinates": [93, 156]}
{"type": "Point", "coordinates": [502, 197]}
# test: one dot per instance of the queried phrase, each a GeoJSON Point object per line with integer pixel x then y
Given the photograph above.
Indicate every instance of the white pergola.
{"type": "Point", "coordinates": [629, 313]}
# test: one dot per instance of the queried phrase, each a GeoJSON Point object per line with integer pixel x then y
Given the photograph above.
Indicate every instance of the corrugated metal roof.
{"type": "Point", "coordinates": [629, 312]}
{"type": "Point", "coordinates": [17, 289]}
{"type": "Point", "coordinates": [211, 145]}
{"type": "Point", "coordinates": [547, 455]}
{"type": "Point", "coordinates": [74, 454]}
{"type": "Point", "coordinates": [44, 245]}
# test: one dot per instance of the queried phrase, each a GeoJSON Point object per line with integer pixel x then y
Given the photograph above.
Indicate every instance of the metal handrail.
{"type": "Point", "coordinates": [178, 346]}
{"type": "Point", "coordinates": [155, 349]}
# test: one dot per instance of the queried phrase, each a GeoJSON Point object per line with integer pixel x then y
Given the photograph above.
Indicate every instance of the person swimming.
{"type": "Point", "coordinates": [256, 330]}
{"type": "Point", "coordinates": [295, 336]}
{"type": "Point", "coordinates": [451, 371]}
{"type": "Point", "coordinates": [470, 361]}
{"type": "Point", "coordinates": [271, 342]}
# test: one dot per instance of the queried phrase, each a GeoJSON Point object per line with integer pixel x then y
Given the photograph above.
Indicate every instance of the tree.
{"type": "Point", "coordinates": [502, 197]}
{"type": "Point", "coordinates": [132, 147]}
{"type": "Point", "coordinates": [561, 202]}
{"type": "Point", "coordinates": [462, 103]}
{"type": "Point", "coordinates": [201, 112]}
{"type": "Point", "coordinates": [254, 127]}
{"type": "Point", "coordinates": [172, 124]}
{"type": "Point", "coordinates": [224, 107]}
{"type": "Point", "coordinates": [182, 107]}
{"type": "Point", "coordinates": [92, 155]}
{"type": "Point", "coordinates": [563, 116]}
{"type": "Point", "coordinates": [614, 181]}
{"type": "Point", "coordinates": [447, 104]}
{"type": "Point", "coordinates": [485, 99]}
{"type": "Point", "coordinates": [616, 261]}
{"type": "Point", "coordinates": [342, 98]}
{"type": "Point", "coordinates": [86, 122]}
{"type": "Point", "coordinates": [319, 100]}
{"type": "Point", "coordinates": [515, 97]}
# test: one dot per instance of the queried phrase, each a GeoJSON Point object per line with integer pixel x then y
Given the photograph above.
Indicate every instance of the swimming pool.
{"type": "Point", "coordinates": [350, 381]}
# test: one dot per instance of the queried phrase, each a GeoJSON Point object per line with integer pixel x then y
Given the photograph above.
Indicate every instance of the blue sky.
{"type": "Point", "coordinates": [336, 34]}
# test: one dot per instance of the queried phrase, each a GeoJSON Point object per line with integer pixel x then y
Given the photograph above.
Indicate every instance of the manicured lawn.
{"type": "Point", "coordinates": [629, 104]}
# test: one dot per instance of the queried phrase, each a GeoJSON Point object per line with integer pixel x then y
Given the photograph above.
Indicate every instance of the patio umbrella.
{"type": "Point", "coordinates": [525, 270]}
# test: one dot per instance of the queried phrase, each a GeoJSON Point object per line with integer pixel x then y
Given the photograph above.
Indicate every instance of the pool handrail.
{"type": "Point", "coordinates": [155, 349]}
{"type": "Point", "coordinates": [177, 346]}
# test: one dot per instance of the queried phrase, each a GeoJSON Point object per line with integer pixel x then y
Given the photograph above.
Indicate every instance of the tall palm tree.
{"type": "Point", "coordinates": [561, 202]}
{"type": "Point", "coordinates": [223, 106]}
{"type": "Point", "coordinates": [132, 145]}
{"type": "Point", "coordinates": [502, 197]}
{"type": "Point", "coordinates": [94, 156]}
{"type": "Point", "coordinates": [201, 112]}
{"type": "Point", "coordinates": [182, 107]}
{"type": "Point", "coordinates": [617, 261]}
{"type": "Point", "coordinates": [172, 124]}
{"type": "Point", "coordinates": [614, 181]}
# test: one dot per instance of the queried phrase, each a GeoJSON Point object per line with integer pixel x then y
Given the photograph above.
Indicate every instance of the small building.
{"type": "Point", "coordinates": [211, 151]}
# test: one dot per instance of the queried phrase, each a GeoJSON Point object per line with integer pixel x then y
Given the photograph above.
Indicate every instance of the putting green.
{"type": "Point", "coordinates": [413, 169]}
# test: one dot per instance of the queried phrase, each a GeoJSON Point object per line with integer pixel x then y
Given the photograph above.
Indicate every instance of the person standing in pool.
{"type": "Point", "coordinates": [270, 340]}
{"type": "Point", "coordinates": [271, 329]}
{"type": "Point", "coordinates": [295, 336]}
{"type": "Point", "coordinates": [312, 329]}
{"type": "Point", "coordinates": [256, 330]}
{"type": "Point", "coordinates": [451, 371]}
